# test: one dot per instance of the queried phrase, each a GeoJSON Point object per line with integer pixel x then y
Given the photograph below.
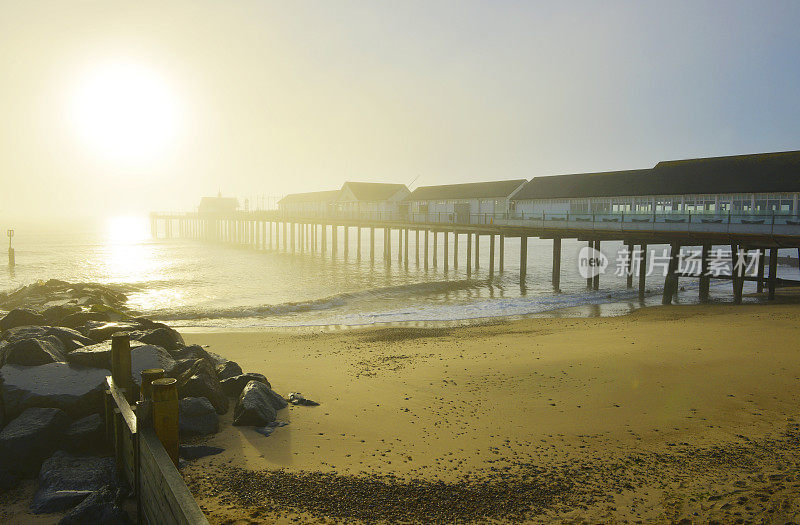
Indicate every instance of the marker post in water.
{"type": "Point", "coordinates": [11, 261]}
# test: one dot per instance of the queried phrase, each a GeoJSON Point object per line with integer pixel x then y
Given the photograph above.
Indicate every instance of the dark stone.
{"type": "Point", "coordinates": [96, 355]}
{"type": "Point", "coordinates": [180, 367]}
{"type": "Point", "coordinates": [277, 400]}
{"type": "Point", "coordinates": [56, 313]}
{"type": "Point", "coordinates": [33, 352]}
{"type": "Point", "coordinates": [21, 317]}
{"type": "Point", "coordinates": [76, 390]}
{"type": "Point", "coordinates": [193, 352]}
{"type": "Point", "coordinates": [85, 434]}
{"type": "Point", "coordinates": [30, 438]}
{"type": "Point", "coordinates": [197, 417]}
{"type": "Point", "coordinates": [101, 506]}
{"type": "Point", "coordinates": [145, 357]}
{"type": "Point", "coordinates": [201, 381]}
{"type": "Point", "coordinates": [100, 331]}
{"type": "Point", "coordinates": [296, 398]}
{"type": "Point", "coordinates": [66, 480]}
{"type": "Point", "coordinates": [228, 369]}
{"type": "Point", "coordinates": [79, 319]}
{"type": "Point", "coordinates": [233, 386]}
{"type": "Point", "coordinates": [71, 339]}
{"type": "Point", "coordinates": [165, 337]}
{"type": "Point", "coordinates": [254, 407]}
{"type": "Point", "coordinates": [189, 452]}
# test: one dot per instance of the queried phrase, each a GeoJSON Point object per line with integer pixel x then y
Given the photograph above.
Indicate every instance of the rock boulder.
{"type": "Point", "coordinates": [228, 369]}
{"type": "Point", "coordinates": [101, 506]}
{"type": "Point", "coordinates": [96, 355]}
{"type": "Point", "coordinates": [197, 417]}
{"type": "Point", "coordinates": [163, 336]}
{"type": "Point", "coordinates": [21, 317]}
{"type": "Point", "coordinates": [233, 386]}
{"type": "Point", "coordinates": [31, 438]}
{"type": "Point", "coordinates": [76, 390]}
{"type": "Point", "coordinates": [66, 480]}
{"type": "Point", "coordinates": [33, 352]}
{"type": "Point", "coordinates": [254, 407]}
{"type": "Point", "coordinates": [85, 434]}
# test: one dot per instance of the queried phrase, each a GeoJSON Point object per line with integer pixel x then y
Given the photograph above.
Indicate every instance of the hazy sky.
{"type": "Point", "coordinates": [267, 98]}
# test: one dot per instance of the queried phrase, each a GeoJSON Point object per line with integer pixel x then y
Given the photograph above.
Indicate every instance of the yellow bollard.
{"type": "Point", "coordinates": [148, 376]}
{"type": "Point", "coordinates": [165, 414]}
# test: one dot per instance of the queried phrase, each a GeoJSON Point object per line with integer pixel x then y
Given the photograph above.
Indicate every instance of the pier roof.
{"type": "Point", "coordinates": [756, 173]}
{"type": "Point", "coordinates": [471, 190]}
{"type": "Point", "coordinates": [373, 191]}
{"type": "Point", "coordinates": [310, 196]}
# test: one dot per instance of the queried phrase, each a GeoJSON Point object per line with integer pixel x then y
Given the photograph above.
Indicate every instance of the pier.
{"type": "Point", "coordinates": [744, 235]}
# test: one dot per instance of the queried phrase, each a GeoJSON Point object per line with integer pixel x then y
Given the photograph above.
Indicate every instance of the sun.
{"type": "Point", "coordinates": [125, 112]}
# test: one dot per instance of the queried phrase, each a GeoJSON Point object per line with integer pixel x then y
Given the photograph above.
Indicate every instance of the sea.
{"type": "Point", "coordinates": [199, 285]}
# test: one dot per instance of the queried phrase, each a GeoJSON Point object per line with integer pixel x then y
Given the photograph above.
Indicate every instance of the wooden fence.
{"type": "Point", "coordinates": [143, 429]}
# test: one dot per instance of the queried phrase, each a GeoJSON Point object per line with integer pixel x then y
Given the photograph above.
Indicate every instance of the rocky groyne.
{"type": "Point", "coordinates": [55, 353]}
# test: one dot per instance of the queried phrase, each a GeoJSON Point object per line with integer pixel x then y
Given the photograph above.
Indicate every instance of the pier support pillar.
{"type": "Point", "coordinates": [469, 253]}
{"type": "Point", "coordinates": [557, 264]}
{"type": "Point", "coordinates": [292, 236]}
{"type": "Point", "coordinates": [405, 250]}
{"type": "Point", "coordinates": [388, 238]}
{"type": "Point", "coordinates": [773, 272]}
{"type": "Point", "coordinates": [491, 255]}
{"type": "Point", "coordinates": [426, 249]}
{"type": "Point", "coordinates": [446, 261]}
{"type": "Point", "coordinates": [399, 246]}
{"type": "Point", "coordinates": [416, 247]}
{"type": "Point", "coordinates": [737, 269]}
{"type": "Point", "coordinates": [334, 240]}
{"type": "Point", "coordinates": [671, 280]}
{"type": "Point", "coordinates": [455, 250]}
{"type": "Point", "coordinates": [324, 238]}
{"type": "Point", "coordinates": [596, 279]}
{"type": "Point", "coordinates": [523, 259]}
{"type": "Point", "coordinates": [502, 253]}
{"type": "Point", "coordinates": [435, 249]}
{"type": "Point", "coordinates": [477, 250]}
{"type": "Point", "coordinates": [705, 279]}
{"type": "Point", "coordinates": [346, 231]}
{"type": "Point", "coordinates": [358, 243]}
{"type": "Point", "coordinates": [629, 269]}
{"type": "Point", "coordinates": [372, 245]}
{"type": "Point", "coordinates": [761, 263]}
{"type": "Point", "coordinates": [589, 279]}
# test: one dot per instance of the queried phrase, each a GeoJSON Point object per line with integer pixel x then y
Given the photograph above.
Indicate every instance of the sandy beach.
{"type": "Point", "coordinates": [666, 414]}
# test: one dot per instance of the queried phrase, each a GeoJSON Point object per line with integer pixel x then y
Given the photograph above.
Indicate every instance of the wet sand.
{"type": "Point", "coordinates": [682, 412]}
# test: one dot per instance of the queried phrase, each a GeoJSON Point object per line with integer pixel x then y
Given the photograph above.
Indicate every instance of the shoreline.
{"type": "Point", "coordinates": [628, 399]}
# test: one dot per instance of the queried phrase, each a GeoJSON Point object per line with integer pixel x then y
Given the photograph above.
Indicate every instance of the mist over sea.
{"type": "Point", "coordinates": [193, 284]}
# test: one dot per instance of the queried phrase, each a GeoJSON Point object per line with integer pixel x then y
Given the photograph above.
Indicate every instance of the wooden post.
{"type": "Point", "coordinates": [761, 262]}
{"type": "Point", "coordinates": [455, 250]}
{"type": "Point", "coordinates": [705, 279]}
{"type": "Point", "coordinates": [324, 238]}
{"type": "Point", "coordinates": [671, 279]}
{"type": "Point", "coordinates": [416, 247]}
{"type": "Point", "coordinates": [121, 364]}
{"type": "Point", "coordinates": [292, 237]}
{"type": "Point", "coordinates": [502, 252]}
{"type": "Point", "coordinates": [446, 264]}
{"type": "Point", "coordinates": [119, 447]}
{"type": "Point", "coordinates": [148, 376]}
{"type": "Point", "coordinates": [372, 245]}
{"type": "Point", "coordinates": [426, 248]}
{"type": "Point", "coordinates": [334, 240]}
{"type": "Point", "coordinates": [469, 253]}
{"type": "Point", "coordinates": [491, 255]}
{"type": "Point", "coordinates": [642, 270]}
{"type": "Point", "coordinates": [629, 269]}
{"type": "Point", "coordinates": [435, 249]}
{"type": "Point", "coordinates": [736, 271]}
{"type": "Point", "coordinates": [405, 248]}
{"type": "Point", "coordinates": [399, 246]}
{"type": "Point", "coordinates": [477, 250]}
{"type": "Point", "coordinates": [346, 231]}
{"type": "Point", "coordinates": [596, 279]}
{"type": "Point", "coordinates": [165, 414]}
{"type": "Point", "coordinates": [557, 264]}
{"type": "Point", "coordinates": [358, 243]}
{"type": "Point", "coordinates": [110, 405]}
{"type": "Point", "coordinates": [523, 259]}
{"type": "Point", "coordinates": [388, 238]}
{"type": "Point", "coordinates": [773, 272]}
{"type": "Point", "coordinates": [589, 279]}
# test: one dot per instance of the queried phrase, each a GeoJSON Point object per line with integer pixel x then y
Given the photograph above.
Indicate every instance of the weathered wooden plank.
{"type": "Point", "coordinates": [156, 463]}
{"type": "Point", "coordinates": [122, 404]}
